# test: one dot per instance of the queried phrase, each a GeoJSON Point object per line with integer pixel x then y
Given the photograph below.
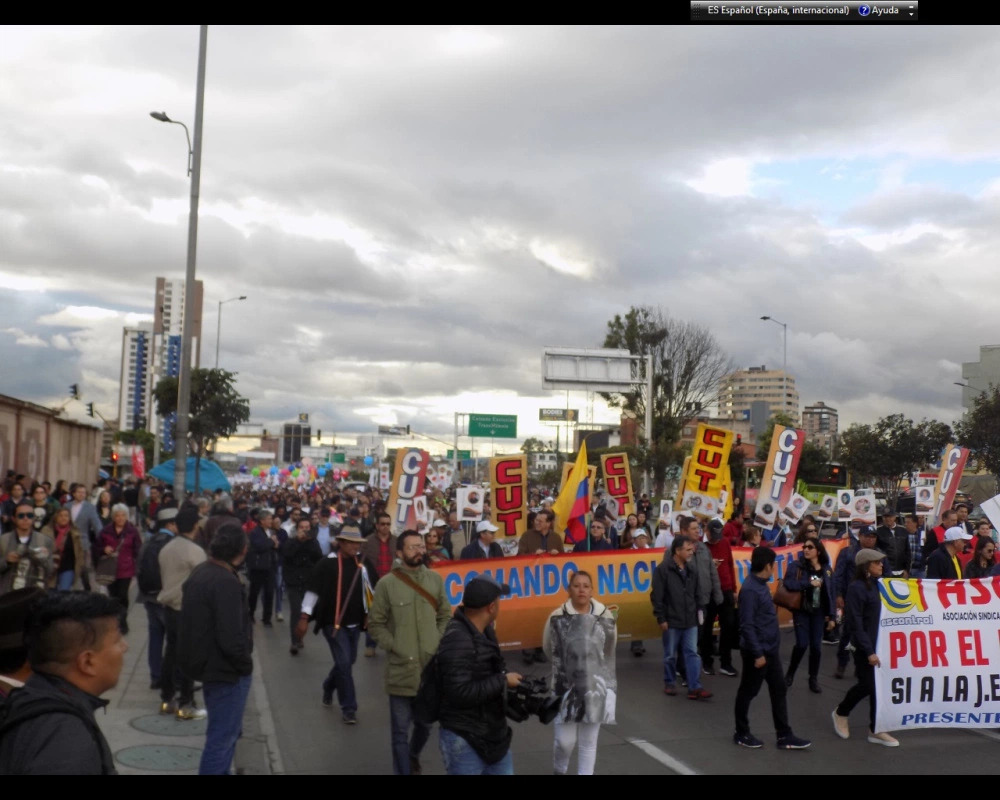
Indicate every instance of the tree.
{"type": "Point", "coordinates": [979, 430]}
{"type": "Point", "coordinates": [885, 453]}
{"type": "Point", "coordinates": [534, 445]}
{"type": "Point", "coordinates": [688, 364]}
{"type": "Point", "coordinates": [140, 437]}
{"type": "Point", "coordinates": [217, 409]}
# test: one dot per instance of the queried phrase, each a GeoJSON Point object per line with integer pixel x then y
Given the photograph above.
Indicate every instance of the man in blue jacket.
{"type": "Point", "coordinates": [759, 645]}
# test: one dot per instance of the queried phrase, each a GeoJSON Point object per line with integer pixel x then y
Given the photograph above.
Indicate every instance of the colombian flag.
{"type": "Point", "coordinates": [573, 504]}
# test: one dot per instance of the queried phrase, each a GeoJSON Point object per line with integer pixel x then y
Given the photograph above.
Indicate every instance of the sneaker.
{"type": "Point", "coordinates": [190, 712]}
{"type": "Point", "coordinates": [840, 726]}
{"type": "Point", "coordinates": [327, 700]}
{"type": "Point", "coordinates": [669, 688]}
{"type": "Point", "coordinates": [835, 640]}
{"type": "Point", "coordinates": [350, 718]}
{"type": "Point", "coordinates": [814, 686]}
{"type": "Point", "coordinates": [838, 673]}
{"type": "Point", "coordinates": [415, 768]}
{"type": "Point", "coordinates": [169, 707]}
{"type": "Point", "coordinates": [789, 680]}
{"type": "Point", "coordinates": [155, 685]}
{"type": "Point", "coordinates": [728, 672]}
{"type": "Point", "coordinates": [294, 649]}
{"type": "Point", "coordinates": [369, 652]}
{"type": "Point", "coordinates": [747, 740]}
{"type": "Point", "coordinates": [883, 739]}
{"type": "Point", "coordinates": [683, 681]}
{"type": "Point", "coordinates": [699, 694]}
{"type": "Point", "coordinates": [280, 617]}
{"type": "Point", "coordinates": [709, 670]}
{"type": "Point", "coordinates": [793, 743]}
{"type": "Point", "coordinates": [267, 623]}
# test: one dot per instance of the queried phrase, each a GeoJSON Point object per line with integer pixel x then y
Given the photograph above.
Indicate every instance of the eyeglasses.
{"type": "Point", "coordinates": [25, 516]}
{"type": "Point", "coordinates": [808, 547]}
{"type": "Point", "coordinates": [988, 552]}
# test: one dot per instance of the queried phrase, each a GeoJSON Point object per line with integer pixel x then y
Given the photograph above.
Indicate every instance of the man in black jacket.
{"type": "Point", "coordinates": [943, 562]}
{"type": "Point", "coordinates": [483, 545]}
{"type": "Point", "coordinates": [75, 649]}
{"type": "Point", "coordinates": [299, 554]}
{"type": "Point", "coordinates": [894, 541]}
{"type": "Point", "coordinates": [260, 565]}
{"type": "Point", "coordinates": [475, 737]}
{"type": "Point", "coordinates": [215, 644]}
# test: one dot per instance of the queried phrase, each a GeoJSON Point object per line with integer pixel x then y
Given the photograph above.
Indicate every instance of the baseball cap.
{"type": "Point", "coordinates": [640, 532]}
{"type": "Point", "coordinates": [866, 556]}
{"type": "Point", "coordinates": [486, 525]}
{"type": "Point", "coordinates": [956, 533]}
{"type": "Point", "coordinates": [483, 590]}
{"type": "Point", "coordinates": [439, 523]}
{"type": "Point", "coordinates": [166, 514]}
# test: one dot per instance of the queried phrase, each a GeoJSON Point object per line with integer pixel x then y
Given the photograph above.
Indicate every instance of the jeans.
{"type": "Point", "coordinates": [751, 680]}
{"type": "Point", "coordinates": [157, 637]}
{"type": "Point", "coordinates": [225, 703]}
{"type": "Point", "coordinates": [261, 579]}
{"type": "Point", "coordinates": [460, 759]}
{"type": "Point", "coordinates": [688, 640]}
{"type": "Point", "coordinates": [570, 735]}
{"type": "Point", "coordinates": [344, 649]}
{"type": "Point", "coordinates": [173, 680]}
{"type": "Point", "coordinates": [279, 589]}
{"type": "Point", "coordinates": [65, 580]}
{"type": "Point", "coordinates": [728, 631]}
{"type": "Point", "coordinates": [295, 595]}
{"type": "Point", "coordinates": [808, 634]}
{"type": "Point", "coordinates": [865, 687]}
{"type": "Point", "coordinates": [403, 747]}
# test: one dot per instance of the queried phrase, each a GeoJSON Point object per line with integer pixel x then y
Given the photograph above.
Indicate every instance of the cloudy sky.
{"type": "Point", "coordinates": [415, 213]}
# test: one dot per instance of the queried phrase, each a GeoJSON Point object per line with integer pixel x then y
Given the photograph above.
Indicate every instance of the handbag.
{"type": "Point", "coordinates": [106, 571]}
{"type": "Point", "coordinates": [787, 599]}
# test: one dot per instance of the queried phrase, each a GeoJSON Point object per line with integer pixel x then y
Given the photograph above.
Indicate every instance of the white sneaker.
{"type": "Point", "coordinates": [840, 726]}
{"type": "Point", "coordinates": [189, 713]}
{"type": "Point", "coordinates": [883, 739]}
{"type": "Point", "coordinates": [280, 617]}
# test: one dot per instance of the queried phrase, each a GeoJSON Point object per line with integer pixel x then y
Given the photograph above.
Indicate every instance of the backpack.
{"type": "Point", "coordinates": [148, 573]}
{"type": "Point", "coordinates": [427, 703]}
{"type": "Point", "coordinates": [10, 719]}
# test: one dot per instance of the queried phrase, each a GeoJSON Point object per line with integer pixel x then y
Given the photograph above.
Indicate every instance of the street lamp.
{"type": "Point", "coordinates": [218, 328]}
{"type": "Point", "coordinates": [181, 443]}
{"type": "Point", "coordinates": [784, 360]}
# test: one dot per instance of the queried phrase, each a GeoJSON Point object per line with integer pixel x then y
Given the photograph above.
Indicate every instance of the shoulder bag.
{"type": "Point", "coordinates": [787, 599]}
{"type": "Point", "coordinates": [106, 571]}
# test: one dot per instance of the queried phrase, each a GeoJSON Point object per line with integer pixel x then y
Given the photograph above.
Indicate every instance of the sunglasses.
{"type": "Point", "coordinates": [25, 516]}
{"type": "Point", "coordinates": [808, 547]}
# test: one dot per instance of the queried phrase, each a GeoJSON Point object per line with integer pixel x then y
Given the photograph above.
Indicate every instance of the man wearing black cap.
{"type": "Point", "coordinates": [475, 737]}
{"type": "Point", "coordinates": [894, 541]}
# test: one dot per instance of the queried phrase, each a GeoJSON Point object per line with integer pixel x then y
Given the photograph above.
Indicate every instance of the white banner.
{"type": "Point", "coordinates": [796, 507]}
{"type": "Point", "coordinates": [828, 507]}
{"type": "Point", "coordinates": [666, 509]}
{"type": "Point", "coordinates": [924, 499]}
{"type": "Point", "coordinates": [939, 654]}
{"type": "Point", "coordinates": [470, 503]}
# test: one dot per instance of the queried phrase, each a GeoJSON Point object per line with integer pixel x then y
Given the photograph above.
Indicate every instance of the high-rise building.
{"type": "Point", "coordinates": [134, 389]}
{"type": "Point", "coordinates": [820, 424]}
{"type": "Point", "coordinates": [980, 375]}
{"type": "Point", "coordinates": [739, 389]}
{"type": "Point", "coordinates": [168, 328]}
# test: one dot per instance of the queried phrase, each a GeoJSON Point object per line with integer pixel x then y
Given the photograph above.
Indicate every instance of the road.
{"type": "Point", "coordinates": [655, 734]}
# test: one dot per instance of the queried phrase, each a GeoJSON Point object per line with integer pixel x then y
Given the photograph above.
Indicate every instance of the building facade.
{"type": "Point", "coordinates": [820, 423]}
{"type": "Point", "coordinates": [739, 390]}
{"type": "Point", "coordinates": [981, 374]}
{"type": "Point", "coordinates": [168, 329]}
{"type": "Point", "coordinates": [135, 387]}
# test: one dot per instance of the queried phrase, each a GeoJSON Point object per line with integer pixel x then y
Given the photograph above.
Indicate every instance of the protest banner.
{"type": "Point", "coordinates": [845, 503]}
{"type": "Point", "coordinates": [469, 500]}
{"type": "Point", "coordinates": [708, 471]}
{"type": "Point", "coordinates": [666, 509]}
{"type": "Point", "coordinates": [991, 508]}
{"type": "Point", "coordinates": [683, 482]}
{"type": "Point", "coordinates": [622, 581]}
{"type": "Point", "coordinates": [827, 507]}
{"type": "Point", "coordinates": [923, 498]}
{"type": "Point", "coordinates": [939, 654]}
{"type": "Point", "coordinates": [618, 482]}
{"type": "Point", "coordinates": [509, 494]}
{"type": "Point", "coordinates": [700, 505]}
{"type": "Point", "coordinates": [408, 481]}
{"type": "Point", "coordinates": [138, 461]}
{"type": "Point", "coordinates": [796, 508]}
{"type": "Point", "coordinates": [863, 509]}
{"type": "Point", "coordinates": [591, 473]}
{"type": "Point", "coordinates": [383, 476]}
{"type": "Point", "coordinates": [780, 469]}
{"type": "Point", "coordinates": [952, 463]}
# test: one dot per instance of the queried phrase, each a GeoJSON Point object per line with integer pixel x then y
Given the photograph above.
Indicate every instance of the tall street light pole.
{"type": "Point", "coordinates": [218, 327]}
{"type": "Point", "coordinates": [784, 361]}
{"type": "Point", "coordinates": [181, 444]}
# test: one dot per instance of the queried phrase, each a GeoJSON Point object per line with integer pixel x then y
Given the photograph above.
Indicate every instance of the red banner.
{"type": "Point", "coordinates": [778, 484]}
{"type": "Point", "coordinates": [618, 481]}
{"type": "Point", "coordinates": [509, 494]}
{"type": "Point", "coordinates": [408, 481]}
{"type": "Point", "coordinates": [138, 461]}
{"type": "Point", "coordinates": [952, 465]}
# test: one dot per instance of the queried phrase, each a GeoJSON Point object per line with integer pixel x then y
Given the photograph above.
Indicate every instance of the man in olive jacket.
{"type": "Point", "coordinates": [408, 625]}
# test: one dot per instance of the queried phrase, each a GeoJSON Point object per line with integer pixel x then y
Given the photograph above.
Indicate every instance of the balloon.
{"type": "Point", "coordinates": [336, 474]}
{"type": "Point", "coordinates": [321, 472]}
{"type": "Point", "coordinates": [328, 466]}
{"type": "Point", "coordinates": [295, 472]}
{"type": "Point", "coordinates": [298, 465]}
{"type": "Point", "coordinates": [255, 471]}
{"type": "Point", "coordinates": [273, 471]}
{"type": "Point", "coordinates": [301, 479]}
{"type": "Point", "coordinates": [243, 469]}
{"type": "Point", "coordinates": [369, 461]}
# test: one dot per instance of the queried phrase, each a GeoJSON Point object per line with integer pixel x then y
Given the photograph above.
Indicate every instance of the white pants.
{"type": "Point", "coordinates": [568, 735]}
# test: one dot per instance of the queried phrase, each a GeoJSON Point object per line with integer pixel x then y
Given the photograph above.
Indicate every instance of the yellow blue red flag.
{"type": "Point", "coordinates": [573, 504]}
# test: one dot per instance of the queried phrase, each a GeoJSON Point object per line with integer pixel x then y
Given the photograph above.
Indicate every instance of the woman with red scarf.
{"type": "Point", "coordinates": [68, 554]}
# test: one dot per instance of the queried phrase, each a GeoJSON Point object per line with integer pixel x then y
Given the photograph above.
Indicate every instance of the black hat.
{"type": "Point", "coordinates": [715, 530]}
{"type": "Point", "coordinates": [483, 590]}
{"type": "Point", "coordinates": [889, 511]}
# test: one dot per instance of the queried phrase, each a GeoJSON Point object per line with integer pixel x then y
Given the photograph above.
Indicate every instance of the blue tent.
{"type": "Point", "coordinates": [211, 477]}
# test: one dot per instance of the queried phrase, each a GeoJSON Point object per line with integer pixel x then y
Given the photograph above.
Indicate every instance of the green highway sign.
{"type": "Point", "coordinates": [463, 455]}
{"type": "Point", "coordinates": [339, 458]}
{"type": "Point", "coordinates": [498, 426]}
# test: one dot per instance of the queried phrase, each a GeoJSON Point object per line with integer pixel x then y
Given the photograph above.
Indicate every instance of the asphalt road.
{"type": "Point", "coordinates": [655, 734]}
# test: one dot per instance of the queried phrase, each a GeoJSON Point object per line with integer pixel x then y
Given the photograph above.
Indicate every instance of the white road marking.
{"type": "Point", "coordinates": [988, 734]}
{"type": "Point", "coordinates": [663, 757]}
{"type": "Point", "coordinates": [267, 726]}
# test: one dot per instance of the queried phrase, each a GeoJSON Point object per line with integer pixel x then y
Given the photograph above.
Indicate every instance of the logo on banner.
{"type": "Point", "coordinates": [901, 597]}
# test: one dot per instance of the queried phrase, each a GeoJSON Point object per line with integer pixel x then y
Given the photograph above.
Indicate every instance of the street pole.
{"type": "Point", "coordinates": [454, 453]}
{"type": "Point", "coordinates": [218, 334]}
{"type": "Point", "coordinates": [647, 480]}
{"type": "Point", "coordinates": [182, 445]}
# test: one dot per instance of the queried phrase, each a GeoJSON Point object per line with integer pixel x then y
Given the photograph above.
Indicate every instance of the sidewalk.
{"type": "Point", "coordinates": [144, 742]}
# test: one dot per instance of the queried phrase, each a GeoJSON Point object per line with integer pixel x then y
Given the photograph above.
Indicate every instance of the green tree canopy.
{"type": "Point", "coordinates": [979, 430]}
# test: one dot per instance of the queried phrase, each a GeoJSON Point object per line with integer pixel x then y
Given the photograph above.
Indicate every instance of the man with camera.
{"type": "Point", "coordinates": [475, 737]}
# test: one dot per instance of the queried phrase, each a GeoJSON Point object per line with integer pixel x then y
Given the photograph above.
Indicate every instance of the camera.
{"type": "Point", "coordinates": [532, 696]}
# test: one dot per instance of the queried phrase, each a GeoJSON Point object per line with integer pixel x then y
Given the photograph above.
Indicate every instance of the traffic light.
{"type": "Point", "coordinates": [407, 430]}
{"type": "Point", "coordinates": [114, 457]}
{"type": "Point", "coordinates": [74, 391]}
{"type": "Point", "coordinates": [319, 435]}
{"type": "Point", "coordinates": [739, 439]}
{"type": "Point", "coordinates": [90, 409]}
